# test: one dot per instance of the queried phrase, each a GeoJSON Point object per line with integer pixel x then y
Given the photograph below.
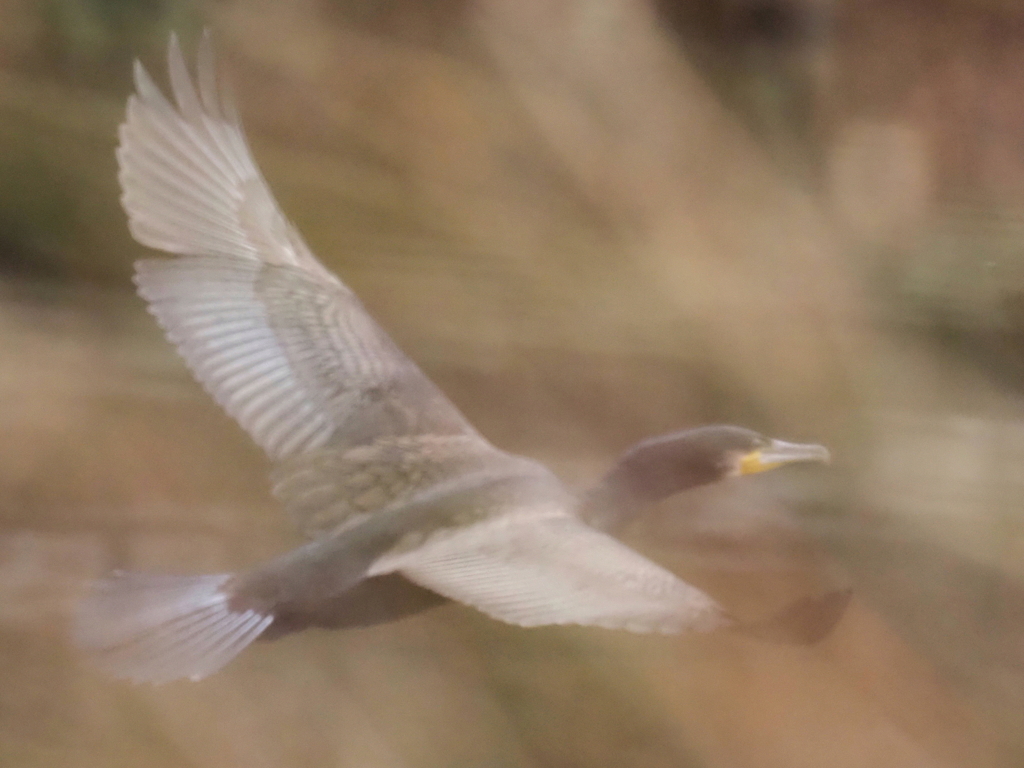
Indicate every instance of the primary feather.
{"type": "Point", "coordinates": [282, 344]}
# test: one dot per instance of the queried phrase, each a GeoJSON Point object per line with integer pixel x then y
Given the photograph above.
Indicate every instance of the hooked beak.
{"type": "Point", "coordinates": [779, 452]}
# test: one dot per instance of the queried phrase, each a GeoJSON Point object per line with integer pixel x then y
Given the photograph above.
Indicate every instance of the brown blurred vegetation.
{"type": "Point", "coordinates": [590, 222]}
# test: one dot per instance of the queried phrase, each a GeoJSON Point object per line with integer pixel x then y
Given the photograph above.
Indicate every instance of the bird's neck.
{"type": "Point", "coordinates": [648, 472]}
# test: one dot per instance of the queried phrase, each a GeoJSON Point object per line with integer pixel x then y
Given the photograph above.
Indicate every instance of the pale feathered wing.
{"type": "Point", "coordinates": [541, 565]}
{"type": "Point", "coordinates": [283, 345]}
{"type": "Point", "coordinates": [327, 490]}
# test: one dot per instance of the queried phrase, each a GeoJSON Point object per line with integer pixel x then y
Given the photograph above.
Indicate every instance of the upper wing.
{"type": "Point", "coordinates": [280, 343]}
{"type": "Point", "coordinates": [189, 182]}
{"type": "Point", "coordinates": [326, 489]}
{"type": "Point", "coordinates": [544, 566]}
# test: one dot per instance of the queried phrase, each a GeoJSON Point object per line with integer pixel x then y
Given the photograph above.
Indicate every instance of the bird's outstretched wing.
{"type": "Point", "coordinates": [282, 344]}
{"type": "Point", "coordinates": [542, 566]}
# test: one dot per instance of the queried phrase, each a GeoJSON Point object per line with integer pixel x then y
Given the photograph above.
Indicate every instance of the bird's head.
{"type": "Point", "coordinates": [661, 466]}
{"type": "Point", "coordinates": [745, 452]}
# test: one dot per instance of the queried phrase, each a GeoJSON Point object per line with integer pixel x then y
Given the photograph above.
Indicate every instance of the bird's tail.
{"type": "Point", "coordinates": [151, 628]}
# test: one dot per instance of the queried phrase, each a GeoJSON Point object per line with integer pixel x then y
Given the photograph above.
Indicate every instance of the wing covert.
{"type": "Point", "coordinates": [324, 490]}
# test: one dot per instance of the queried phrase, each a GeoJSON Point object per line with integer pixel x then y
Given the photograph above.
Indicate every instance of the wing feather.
{"type": "Point", "coordinates": [327, 489]}
{"type": "Point", "coordinates": [190, 185]}
{"type": "Point", "coordinates": [546, 567]}
{"type": "Point", "coordinates": [278, 341]}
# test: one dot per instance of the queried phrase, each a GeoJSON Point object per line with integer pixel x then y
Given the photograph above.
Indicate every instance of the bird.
{"type": "Point", "coordinates": [404, 503]}
{"type": "Point", "coordinates": [648, 472]}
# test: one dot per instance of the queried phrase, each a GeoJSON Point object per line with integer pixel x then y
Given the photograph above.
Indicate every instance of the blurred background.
{"type": "Point", "coordinates": [590, 221]}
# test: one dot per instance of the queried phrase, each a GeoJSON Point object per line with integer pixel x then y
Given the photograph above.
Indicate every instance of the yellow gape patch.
{"type": "Point", "coordinates": [753, 462]}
